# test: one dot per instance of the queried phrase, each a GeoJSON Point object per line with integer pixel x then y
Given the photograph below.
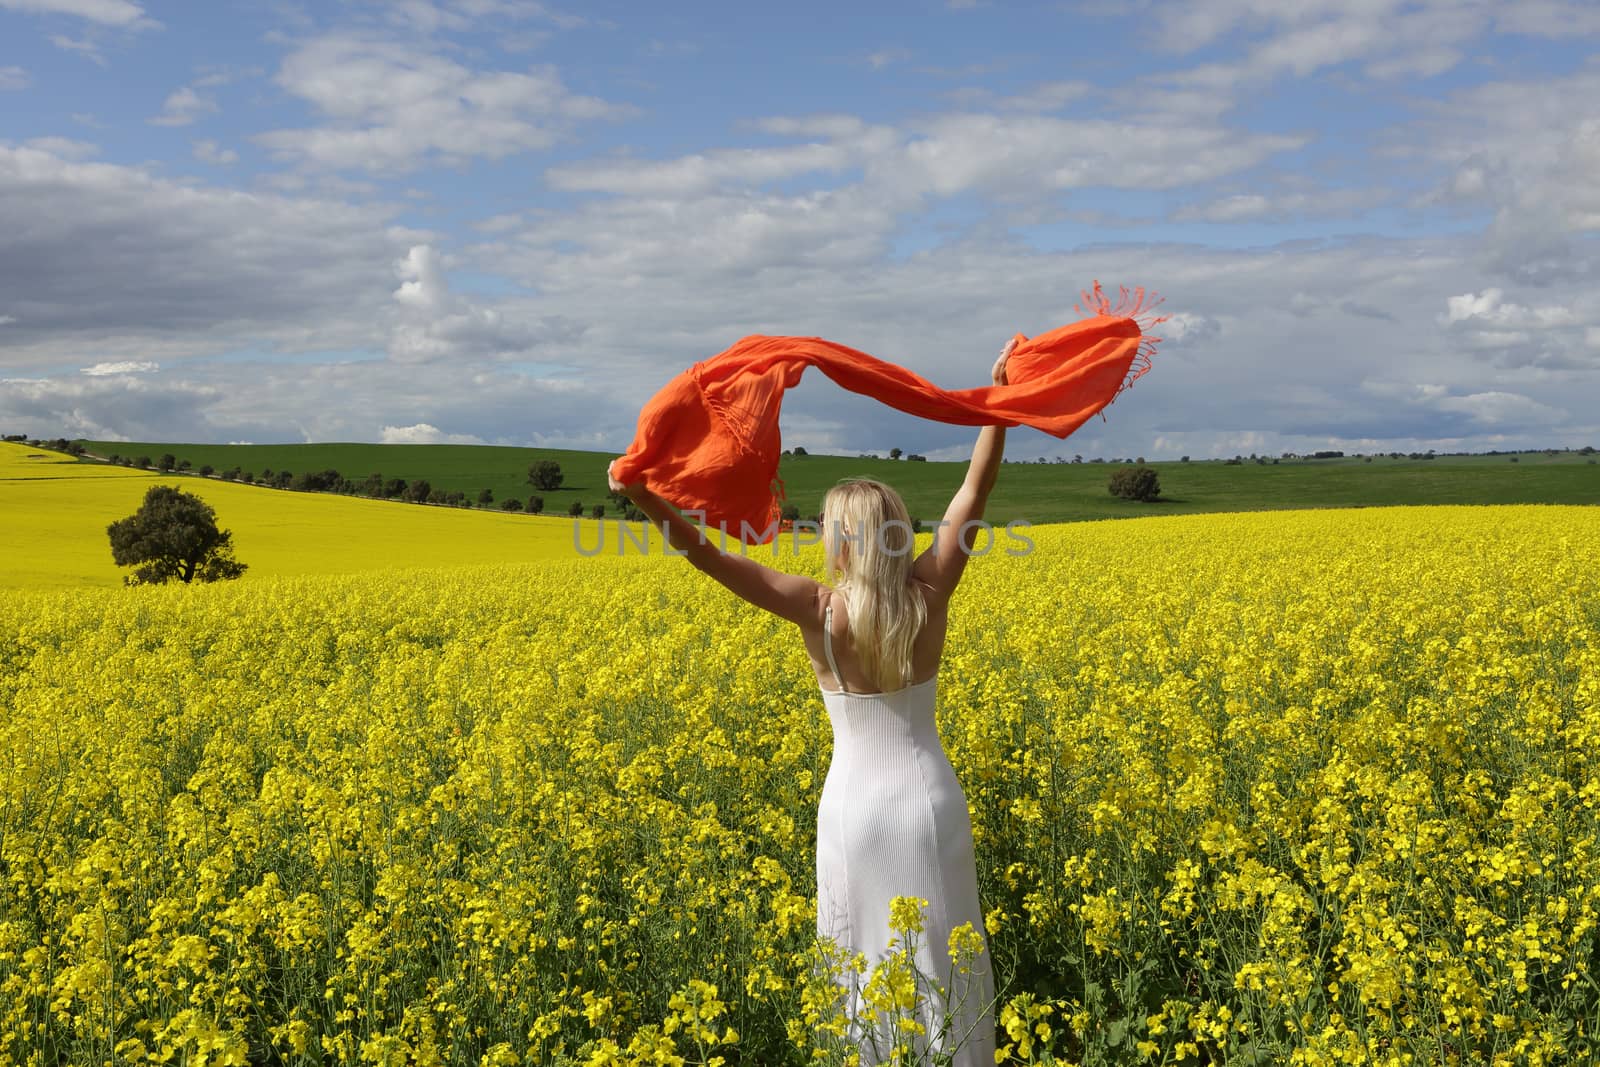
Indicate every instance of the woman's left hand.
{"type": "Point", "coordinates": [616, 486]}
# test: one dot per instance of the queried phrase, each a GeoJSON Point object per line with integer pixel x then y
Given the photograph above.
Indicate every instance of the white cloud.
{"type": "Point", "coordinates": [1243, 207]}
{"type": "Point", "coordinates": [954, 153]}
{"type": "Point", "coordinates": [946, 156]}
{"type": "Point", "coordinates": [1488, 307]}
{"type": "Point", "coordinates": [7, 320]}
{"type": "Point", "coordinates": [436, 324]}
{"type": "Point", "coordinates": [13, 78]}
{"type": "Point", "coordinates": [183, 107]}
{"type": "Point", "coordinates": [64, 147]}
{"type": "Point", "coordinates": [424, 434]}
{"type": "Point", "coordinates": [1184, 326]}
{"type": "Point", "coordinates": [391, 107]}
{"type": "Point", "coordinates": [126, 366]}
{"type": "Point", "coordinates": [83, 46]}
{"type": "Point", "coordinates": [887, 57]}
{"type": "Point", "coordinates": [102, 261]}
{"type": "Point", "coordinates": [207, 151]}
{"type": "Point", "coordinates": [106, 12]}
{"type": "Point", "coordinates": [424, 286]}
{"type": "Point", "coordinates": [114, 407]}
{"type": "Point", "coordinates": [1497, 409]}
{"type": "Point", "coordinates": [1043, 98]}
{"type": "Point", "coordinates": [1523, 151]}
{"type": "Point", "coordinates": [702, 172]}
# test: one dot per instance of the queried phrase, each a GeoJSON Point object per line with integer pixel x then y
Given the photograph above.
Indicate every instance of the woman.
{"type": "Point", "coordinates": [892, 820]}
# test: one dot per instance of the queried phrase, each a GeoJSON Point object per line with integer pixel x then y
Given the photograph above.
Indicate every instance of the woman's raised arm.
{"type": "Point", "coordinates": [788, 596]}
{"type": "Point", "coordinates": [941, 565]}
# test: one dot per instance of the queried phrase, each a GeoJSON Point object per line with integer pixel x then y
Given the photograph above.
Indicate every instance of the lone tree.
{"type": "Point", "coordinates": [545, 474]}
{"type": "Point", "coordinates": [1135, 483]}
{"type": "Point", "coordinates": [173, 535]}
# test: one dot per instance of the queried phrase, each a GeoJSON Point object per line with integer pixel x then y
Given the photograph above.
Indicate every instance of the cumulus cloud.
{"type": "Point", "coordinates": [114, 407]}
{"type": "Point", "coordinates": [1501, 410]}
{"type": "Point", "coordinates": [392, 106]}
{"type": "Point", "coordinates": [436, 324]}
{"type": "Point", "coordinates": [1489, 307]}
{"type": "Point", "coordinates": [207, 151]}
{"type": "Point", "coordinates": [106, 12]}
{"type": "Point", "coordinates": [64, 147]}
{"type": "Point", "coordinates": [1182, 326]}
{"type": "Point", "coordinates": [83, 46]}
{"type": "Point", "coordinates": [125, 366]}
{"type": "Point", "coordinates": [424, 434]}
{"type": "Point", "coordinates": [13, 78]}
{"type": "Point", "coordinates": [101, 260]}
{"type": "Point", "coordinates": [1520, 149]}
{"type": "Point", "coordinates": [1258, 207]}
{"type": "Point", "coordinates": [183, 107]}
{"type": "Point", "coordinates": [887, 57]}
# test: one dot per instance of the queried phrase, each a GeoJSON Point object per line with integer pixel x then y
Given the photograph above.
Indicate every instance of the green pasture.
{"type": "Point", "coordinates": [1037, 493]}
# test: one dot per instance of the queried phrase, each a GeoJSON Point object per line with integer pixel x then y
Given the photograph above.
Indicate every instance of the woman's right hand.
{"type": "Point", "coordinates": [1000, 364]}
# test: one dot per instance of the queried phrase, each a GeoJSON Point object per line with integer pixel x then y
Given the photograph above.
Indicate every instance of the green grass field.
{"type": "Point", "coordinates": [1037, 493]}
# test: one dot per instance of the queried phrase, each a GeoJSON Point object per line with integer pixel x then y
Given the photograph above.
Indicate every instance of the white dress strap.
{"type": "Point", "coordinates": [827, 647]}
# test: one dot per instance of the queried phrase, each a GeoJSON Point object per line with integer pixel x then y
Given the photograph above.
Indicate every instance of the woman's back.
{"type": "Point", "coordinates": [926, 651]}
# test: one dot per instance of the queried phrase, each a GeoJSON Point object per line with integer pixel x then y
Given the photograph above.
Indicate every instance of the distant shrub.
{"type": "Point", "coordinates": [510, 503]}
{"type": "Point", "coordinates": [576, 509]}
{"type": "Point", "coordinates": [1135, 483]}
{"type": "Point", "coordinates": [535, 505]}
{"type": "Point", "coordinates": [545, 474]}
{"type": "Point", "coordinates": [486, 496]}
{"type": "Point", "coordinates": [598, 511]}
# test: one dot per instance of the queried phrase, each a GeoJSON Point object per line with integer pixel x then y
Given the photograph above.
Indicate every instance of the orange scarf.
{"type": "Point", "coordinates": [708, 441]}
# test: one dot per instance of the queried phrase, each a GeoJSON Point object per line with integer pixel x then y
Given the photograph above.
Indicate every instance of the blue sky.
{"type": "Point", "coordinates": [1375, 223]}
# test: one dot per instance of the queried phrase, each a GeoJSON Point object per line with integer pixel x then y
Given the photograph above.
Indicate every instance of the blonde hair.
{"type": "Point", "coordinates": [886, 611]}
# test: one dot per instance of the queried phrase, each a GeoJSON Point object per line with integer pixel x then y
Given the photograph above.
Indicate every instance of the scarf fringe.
{"type": "Point", "coordinates": [1138, 306]}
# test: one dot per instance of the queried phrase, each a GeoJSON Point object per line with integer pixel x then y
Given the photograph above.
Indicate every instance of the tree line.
{"type": "Point", "coordinates": [545, 475]}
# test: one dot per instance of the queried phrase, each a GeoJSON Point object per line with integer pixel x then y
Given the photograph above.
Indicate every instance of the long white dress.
{"type": "Point", "coordinates": [893, 821]}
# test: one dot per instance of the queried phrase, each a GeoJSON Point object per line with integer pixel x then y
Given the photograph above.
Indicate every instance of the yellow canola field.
{"type": "Point", "coordinates": [55, 513]}
{"type": "Point", "coordinates": [1276, 788]}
